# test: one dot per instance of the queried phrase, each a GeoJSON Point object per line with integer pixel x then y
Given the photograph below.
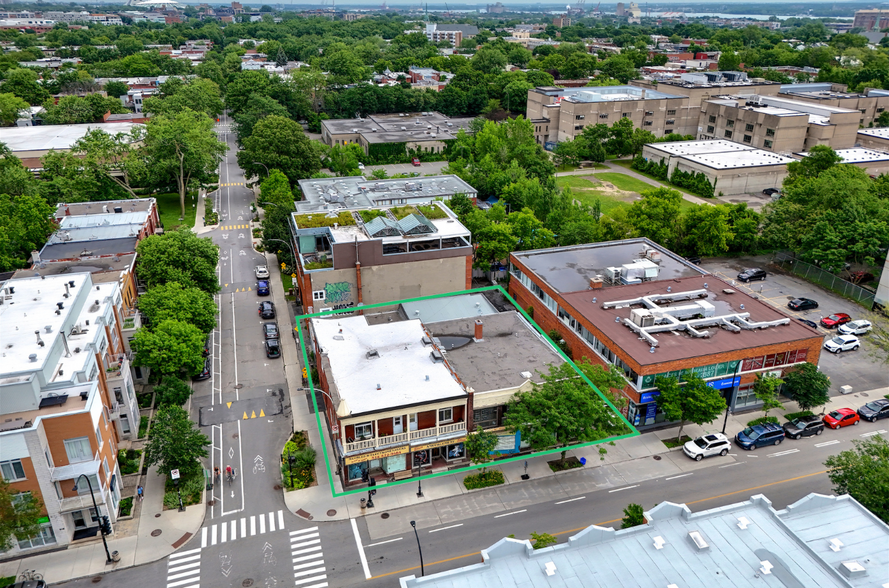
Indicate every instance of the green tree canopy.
{"type": "Point", "coordinates": [179, 256]}
{"type": "Point", "coordinates": [11, 108]}
{"type": "Point", "coordinates": [175, 443]}
{"type": "Point", "coordinates": [479, 446]}
{"type": "Point", "coordinates": [25, 223]}
{"type": "Point", "coordinates": [170, 347]}
{"type": "Point", "coordinates": [863, 473]}
{"type": "Point", "coordinates": [281, 144]}
{"type": "Point", "coordinates": [19, 515]}
{"type": "Point", "coordinates": [694, 402]}
{"type": "Point", "coordinates": [808, 386]}
{"type": "Point", "coordinates": [172, 301]}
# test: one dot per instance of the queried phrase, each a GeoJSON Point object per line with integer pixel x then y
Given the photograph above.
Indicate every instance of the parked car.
{"type": "Point", "coordinates": [270, 330]}
{"type": "Point", "coordinates": [760, 436]}
{"type": "Point", "coordinates": [267, 310]}
{"type": "Point", "coordinates": [272, 349]}
{"type": "Point", "coordinates": [802, 304]}
{"type": "Point", "coordinates": [841, 417]}
{"type": "Point", "coordinates": [860, 277]}
{"type": "Point", "coordinates": [262, 288]}
{"type": "Point", "coordinates": [842, 343]}
{"type": "Point", "coordinates": [751, 274]}
{"type": "Point", "coordinates": [205, 373]}
{"type": "Point", "coordinates": [695, 259]}
{"type": "Point", "coordinates": [808, 323]}
{"type": "Point", "coordinates": [835, 320]}
{"type": "Point", "coordinates": [707, 446]}
{"type": "Point", "coordinates": [208, 345]}
{"type": "Point", "coordinates": [874, 411]}
{"type": "Point", "coordinates": [803, 427]}
{"type": "Point", "coordinates": [416, 162]}
{"type": "Point", "coordinates": [262, 272]}
{"type": "Point", "coordinates": [859, 327]}
{"type": "Point", "coordinates": [360, 166]}
{"type": "Point", "coordinates": [772, 192]}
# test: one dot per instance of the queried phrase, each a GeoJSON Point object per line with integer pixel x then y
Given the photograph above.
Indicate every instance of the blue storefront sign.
{"type": "Point", "coordinates": [647, 397]}
{"type": "Point", "coordinates": [725, 383]}
{"type": "Point", "coordinates": [650, 413]}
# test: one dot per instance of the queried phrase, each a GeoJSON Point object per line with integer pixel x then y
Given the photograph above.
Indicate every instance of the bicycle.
{"type": "Point", "coordinates": [30, 575]}
{"type": "Point", "coordinates": [230, 477]}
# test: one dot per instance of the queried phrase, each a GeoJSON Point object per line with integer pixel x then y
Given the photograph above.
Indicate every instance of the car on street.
{"type": "Point", "coordinates": [360, 166]}
{"type": "Point", "coordinates": [841, 417]}
{"type": "Point", "coordinates": [267, 310]}
{"type": "Point", "coordinates": [802, 304]}
{"type": "Point", "coordinates": [262, 288]}
{"type": "Point", "coordinates": [707, 446]}
{"type": "Point", "coordinates": [208, 345]}
{"type": "Point", "coordinates": [835, 320]}
{"type": "Point", "coordinates": [262, 272]}
{"type": "Point", "coordinates": [270, 330]}
{"type": "Point", "coordinates": [751, 274]}
{"type": "Point", "coordinates": [842, 343]}
{"type": "Point", "coordinates": [760, 436]}
{"type": "Point", "coordinates": [272, 348]}
{"type": "Point", "coordinates": [205, 373]}
{"type": "Point", "coordinates": [859, 327]}
{"type": "Point", "coordinates": [803, 427]}
{"type": "Point", "coordinates": [415, 162]}
{"type": "Point", "coordinates": [874, 411]}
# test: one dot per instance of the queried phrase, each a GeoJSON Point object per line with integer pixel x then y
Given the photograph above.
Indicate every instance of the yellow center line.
{"type": "Point", "coordinates": [609, 522]}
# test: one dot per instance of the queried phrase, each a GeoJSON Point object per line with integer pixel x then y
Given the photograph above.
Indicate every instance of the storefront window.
{"type": "Point", "coordinates": [422, 457]}
{"type": "Point", "coordinates": [485, 417]}
{"type": "Point", "coordinates": [456, 451]}
{"type": "Point", "coordinates": [745, 397]}
{"type": "Point", "coordinates": [357, 471]}
{"type": "Point", "coordinates": [45, 536]}
{"type": "Point", "coordinates": [393, 464]}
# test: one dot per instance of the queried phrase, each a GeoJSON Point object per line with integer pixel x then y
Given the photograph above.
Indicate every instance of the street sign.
{"type": "Point", "coordinates": [335, 429]}
{"type": "Point", "coordinates": [174, 474]}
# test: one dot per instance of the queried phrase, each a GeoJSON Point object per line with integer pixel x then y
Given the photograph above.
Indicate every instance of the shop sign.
{"type": "Point", "coordinates": [438, 444]}
{"type": "Point", "coordinates": [377, 454]}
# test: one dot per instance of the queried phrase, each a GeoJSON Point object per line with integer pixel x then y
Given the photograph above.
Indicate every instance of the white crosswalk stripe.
{"type": "Point", "coordinates": [229, 530]}
{"type": "Point", "coordinates": [184, 569]}
{"type": "Point", "coordinates": [308, 560]}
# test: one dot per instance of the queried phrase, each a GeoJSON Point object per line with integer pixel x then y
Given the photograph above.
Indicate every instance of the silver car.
{"type": "Point", "coordinates": [842, 343]}
{"type": "Point", "coordinates": [262, 272]}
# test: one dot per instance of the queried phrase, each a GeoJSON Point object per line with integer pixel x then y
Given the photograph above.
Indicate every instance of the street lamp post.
{"type": "Point", "coordinates": [267, 174]}
{"type": "Point", "coordinates": [89, 484]}
{"type": "Point", "coordinates": [419, 548]}
{"type": "Point", "coordinates": [419, 481]}
{"type": "Point", "coordinates": [290, 461]}
{"type": "Point", "coordinates": [732, 397]}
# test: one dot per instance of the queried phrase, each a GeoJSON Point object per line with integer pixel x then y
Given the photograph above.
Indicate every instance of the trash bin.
{"type": "Point", "coordinates": [363, 503]}
{"type": "Point", "coordinates": [115, 556]}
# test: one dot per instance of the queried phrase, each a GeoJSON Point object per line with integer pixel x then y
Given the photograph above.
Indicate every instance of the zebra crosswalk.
{"type": "Point", "coordinates": [231, 184]}
{"type": "Point", "coordinates": [309, 570]}
{"type": "Point", "coordinates": [233, 227]}
{"type": "Point", "coordinates": [184, 569]}
{"type": "Point", "coordinates": [245, 527]}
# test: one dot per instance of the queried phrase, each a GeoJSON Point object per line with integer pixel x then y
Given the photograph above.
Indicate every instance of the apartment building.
{"type": "Point", "coordinates": [871, 19]}
{"type": "Point", "coordinates": [644, 309]}
{"type": "Point", "coordinates": [869, 103]}
{"type": "Point", "coordinates": [453, 33]}
{"type": "Point", "coordinates": [66, 400]}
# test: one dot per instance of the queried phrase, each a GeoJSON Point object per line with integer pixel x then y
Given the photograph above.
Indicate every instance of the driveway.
{"type": "Point", "coordinates": [859, 369]}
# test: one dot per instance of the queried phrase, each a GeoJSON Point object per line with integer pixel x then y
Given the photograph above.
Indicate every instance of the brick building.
{"type": "Point", "coordinates": [872, 19]}
{"type": "Point", "coordinates": [646, 310]}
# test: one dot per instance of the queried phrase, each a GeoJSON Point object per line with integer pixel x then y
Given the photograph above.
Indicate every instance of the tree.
{"type": "Point", "coordinates": [172, 301]}
{"type": "Point", "coordinates": [170, 348]}
{"type": "Point", "coordinates": [182, 147]}
{"type": "Point", "coordinates": [479, 446]}
{"type": "Point", "coordinates": [200, 95]}
{"type": "Point", "coordinates": [657, 216]}
{"type": "Point", "coordinates": [172, 392]}
{"type": "Point", "coordinates": [807, 386]}
{"type": "Point", "coordinates": [175, 443]}
{"type": "Point", "coordinates": [116, 157]}
{"type": "Point", "coordinates": [116, 89]}
{"type": "Point", "coordinates": [706, 230]}
{"type": "Point", "coordinates": [179, 256]}
{"type": "Point", "coordinates": [729, 61]}
{"type": "Point", "coordinates": [25, 223]}
{"type": "Point", "coordinates": [541, 540]}
{"type": "Point", "coordinates": [561, 409]}
{"type": "Point", "coordinates": [20, 514]}
{"type": "Point", "coordinates": [619, 67]}
{"type": "Point", "coordinates": [820, 159]}
{"type": "Point", "coordinates": [694, 402]}
{"type": "Point", "coordinates": [344, 68]}
{"type": "Point", "coordinates": [488, 60]}
{"type": "Point", "coordinates": [495, 243]}
{"type": "Point", "coordinates": [765, 388]}
{"type": "Point", "coordinates": [11, 107]}
{"type": "Point", "coordinates": [23, 83]}
{"type": "Point", "coordinates": [279, 143]}
{"type": "Point", "coordinates": [343, 159]}
{"type": "Point", "coordinates": [863, 473]}
{"type": "Point", "coordinates": [633, 516]}
{"type": "Point", "coordinates": [257, 108]}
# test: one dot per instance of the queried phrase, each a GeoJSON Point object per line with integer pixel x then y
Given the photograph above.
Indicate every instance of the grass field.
{"type": "Point", "coordinates": [624, 182]}
{"type": "Point", "coordinates": [168, 208]}
{"type": "Point", "coordinates": [586, 191]}
{"type": "Point", "coordinates": [627, 165]}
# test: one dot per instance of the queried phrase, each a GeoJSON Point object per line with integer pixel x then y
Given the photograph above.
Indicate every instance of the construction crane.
{"type": "Point", "coordinates": [596, 10]}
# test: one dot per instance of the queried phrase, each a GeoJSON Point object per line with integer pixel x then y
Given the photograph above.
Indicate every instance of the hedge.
{"type": "Point", "coordinates": [696, 183]}
{"type": "Point", "coordinates": [656, 169]}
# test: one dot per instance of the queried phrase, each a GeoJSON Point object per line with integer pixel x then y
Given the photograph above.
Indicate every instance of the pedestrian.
{"type": "Point", "coordinates": [140, 494]}
{"type": "Point", "coordinates": [216, 473]}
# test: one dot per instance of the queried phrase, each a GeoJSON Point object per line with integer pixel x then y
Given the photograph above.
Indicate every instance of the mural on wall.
{"type": "Point", "coordinates": [338, 292]}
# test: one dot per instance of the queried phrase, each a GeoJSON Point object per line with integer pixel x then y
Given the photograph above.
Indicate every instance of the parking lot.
{"type": "Point", "coordinates": [860, 369]}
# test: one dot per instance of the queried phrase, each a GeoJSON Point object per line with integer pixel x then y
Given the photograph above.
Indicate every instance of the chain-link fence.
{"type": "Point", "coordinates": [826, 279]}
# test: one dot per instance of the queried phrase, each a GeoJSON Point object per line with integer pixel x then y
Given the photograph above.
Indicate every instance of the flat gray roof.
{"type": "Point", "coordinates": [739, 159]}
{"type": "Point", "coordinates": [46, 137]}
{"type": "Point", "coordinates": [857, 155]}
{"type": "Point", "coordinates": [603, 93]}
{"type": "Point", "coordinates": [100, 220]}
{"type": "Point", "coordinates": [113, 265]}
{"type": "Point", "coordinates": [104, 207]}
{"type": "Point", "coordinates": [94, 233]}
{"type": "Point", "coordinates": [698, 147]}
{"type": "Point", "coordinates": [356, 192]}
{"type": "Point", "coordinates": [715, 548]}
{"type": "Point", "coordinates": [396, 128]}
{"type": "Point", "coordinates": [875, 133]}
{"type": "Point", "coordinates": [570, 269]}
{"type": "Point", "coordinates": [75, 249]}
{"type": "Point", "coordinates": [446, 308]}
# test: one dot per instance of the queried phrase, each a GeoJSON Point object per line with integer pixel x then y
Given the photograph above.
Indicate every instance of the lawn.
{"type": "Point", "coordinates": [624, 182]}
{"type": "Point", "coordinates": [586, 192]}
{"type": "Point", "coordinates": [169, 209]}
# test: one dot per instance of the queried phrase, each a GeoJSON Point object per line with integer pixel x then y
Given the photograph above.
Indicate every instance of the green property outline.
{"type": "Point", "coordinates": [330, 474]}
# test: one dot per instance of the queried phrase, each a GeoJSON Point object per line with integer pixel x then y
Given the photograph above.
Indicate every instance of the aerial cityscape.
{"type": "Point", "coordinates": [444, 295]}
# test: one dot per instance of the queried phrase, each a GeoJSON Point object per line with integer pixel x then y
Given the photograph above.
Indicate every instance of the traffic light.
{"type": "Point", "coordinates": [105, 525]}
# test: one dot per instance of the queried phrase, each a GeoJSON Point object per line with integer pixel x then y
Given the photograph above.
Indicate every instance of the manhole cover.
{"type": "Point", "coordinates": [657, 457]}
{"type": "Point", "coordinates": [238, 387]}
{"type": "Point", "coordinates": [276, 487]}
{"type": "Point", "coordinates": [331, 513]}
{"type": "Point", "coordinates": [235, 436]}
{"type": "Point", "coordinates": [156, 533]}
{"type": "Point", "coordinates": [211, 503]}
{"type": "Point", "coordinates": [863, 394]}
{"type": "Point", "coordinates": [96, 579]}
{"type": "Point", "coordinates": [385, 515]}
{"type": "Point", "coordinates": [247, 583]}
{"type": "Point", "coordinates": [157, 516]}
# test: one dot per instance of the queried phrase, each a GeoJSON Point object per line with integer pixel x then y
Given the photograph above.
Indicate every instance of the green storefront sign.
{"type": "Point", "coordinates": [705, 371]}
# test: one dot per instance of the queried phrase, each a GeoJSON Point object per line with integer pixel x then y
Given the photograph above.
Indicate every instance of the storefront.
{"type": "Point", "coordinates": [439, 454]}
{"type": "Point", "coordinates": [358, 468]}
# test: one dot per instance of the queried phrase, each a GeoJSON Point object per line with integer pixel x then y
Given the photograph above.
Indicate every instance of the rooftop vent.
{"type": "Point", "coordinates": [835, 544]}
{"type": "Point", "coordinates": [550, 568]}
{"type": "Point", "coordinates": [743, 523]}
{"type": "Point", "coordinates": [33, 357]}
{"type": "Point", "coordinates": [852, 569]}
{"type": "Point", "coordinates": [659, 543]}
{"type": "Point", "coordinates": [697, 540]}
{"type": "Point", "coordinates": [372, 353]}
{"type": "Point", "coordinates": [436, 356]}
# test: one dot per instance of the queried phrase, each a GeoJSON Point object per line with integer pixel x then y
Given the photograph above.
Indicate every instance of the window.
{"type": "Point", "coordinates": [730, 124]}
{"type": "Point", "coordinates": [748, 127]}
{"type": "Point", "coordinates": [671, 113]}
{"type": "Point", "coordinates": [605, 115]}
{"type": "Point", "coordinates": [728, 134]}
{"type": "Point", "coordinates": [445, 415]}
{"type": "Point", "coordinates": [364, 431]}
{"type": "Point", "coordinates": [767, 144]}
{"type": "Point", "coordinates": [45, 536]}
{"type": "Point", "coordinates": [578, 127]}
{"type": "Point", "coordinates": [863, 111]}
{"type": "Point", "coordinates": [579, 117]}
{"type": "Point", "coordinates": [99, 440]}
{"type": "Point", "coordinates": [710, 129]}
{"type": "Point", "coordinates": [105, 467]}
{"type": "Point", "coordinates": [649, 112]}
{"type": "Point", "coordinates": [647, 123]}
{"type": "Point", "coordinates": [319, 295]}
{"type": "Point", "coordinates": [712, 119]}
{"type": "Point", "coordinates": [118, 395]}
{"type": "Point", "coordinates": [748, 138]}
{"type": "Point", "coordinates": [78, 449]}
{"type": "Point", "coordinates": [625, 115]}
{"type": "Point", "coordinates": [880, 109]}
{"type": "Point", "coordinates": [485, 417]}
{"type": "Point", "coordinates": [84, 488]}
{"type": "Point", "coordinates": [125, 424]}
{"type": "Point", "coordinates": [770, 132]}
{"type": "Point", "coordinates": [670, 121]}
{"type": "Point", "coordinates": [12, 470]}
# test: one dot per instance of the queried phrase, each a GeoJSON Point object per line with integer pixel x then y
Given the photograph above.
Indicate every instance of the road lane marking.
{"type": "Point", "coordinates": [680, 476]}
{"type": "Point", "coordinates": [302, 551]}
{"type": "Point", "coordinates": [203, 537]}
{"type": "Point", "coordinates": [731, 464]}
{"type": "Point", "coordinates": [301, 531]}
{"type": "Point", "coordinates": [261, 523]}
{"type": "Point", "coordinates": [224, 533]}
{"type": "Point", "coordinates": [252, 525]}
{"type": "Point", "coordinates": [281, 520]}
{"type": "Point", "coordinates": [826, 443]}
{"type": "Point", "coordinates": [213, 536]}
{"type": "Point", "coordinates": [360, 550]}
{"type": "Point", "coordinates": [243, 527]}
{"type": "Point", "coordinates": [271, 522]}
{"type": "Point", "coordinates": [383, 542]}
{"type": "Point", "coordinates": [872, 433]}
{"type": "Point", "coordinates": [624, 488]}
{"type": "Point", "coordinates": [446, 528]}
{"type": "Point", "coordinates": [511, 513]}
{"type": "Point", "coordinates": [572, 499]}
{"type": "Point", "coordinates": [781, 453]}
{"type": "Point", "coordinates": [233, 532]}
{"type": "Point", "coordinates": [184, 553]}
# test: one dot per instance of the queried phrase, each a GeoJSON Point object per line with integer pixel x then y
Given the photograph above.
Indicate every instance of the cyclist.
{"type": "Point", "coordinates": [216, 473]}
{"type": "Point", "coordinates": [229, 473]}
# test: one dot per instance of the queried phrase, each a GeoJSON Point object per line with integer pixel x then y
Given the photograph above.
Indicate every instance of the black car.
{"type": "Point", "coordinates": [695, 259]}
{"type": "Point", "coordinates": [205, 373]}
{"type": "Point", "coordinates": [752, 274]}
{"type": "Point", "coordinates": [272, 349]}
{"type": "Point", "coordinates": [270, 330]}
{"type": "Point", "coordinates": [802, 304]}
{"type": "Point", "coordinates": [872, 411]}
{"type": "Point", "coordinates": [803, 427]}
{"type": "Point", "coordinates": [808, 322]}
{"type": "Point", "coordinates": [208, 345]}
{"type": "Point", "coordinates": [771, 191]}
{"type": "Point", "coordinates": [267, 310]}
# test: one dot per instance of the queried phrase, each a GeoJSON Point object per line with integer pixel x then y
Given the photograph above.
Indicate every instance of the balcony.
{"type": "Point", "coordinates": [132, 322]}
{"type": "Point", "coordinates": [116, 370]}
{"type": "Point", "coordinates": [431, 432]}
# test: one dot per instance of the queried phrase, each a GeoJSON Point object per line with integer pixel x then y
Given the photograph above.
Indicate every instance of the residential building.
{"type": "Point", "coordinates": [141, 213]}
{"type": "Point", "coordinates": [641, 307]}
{"type": "Point", "coordinates": [454, 33]}
{"type": "Point", "coordinates": [33, 142]}
{"type": "Point", "coordinates": [870, 104]}
{"type": "Point", "coordinates": [347, 258]}
{"type": "Point", "coordinates": [561, 21]}
{"type": "Point", "coordinates": [66, 400]}
{"type": "Point", "coordinates": [420, 131]}
{"type": "Point", "coordinates": [732, 168]}
{"type": "Point", "coordinates": [871, 19]}
{"type": "Point", "coordinates": [497, 8]}
{"type": "Point", "coordinates": [825, 541]}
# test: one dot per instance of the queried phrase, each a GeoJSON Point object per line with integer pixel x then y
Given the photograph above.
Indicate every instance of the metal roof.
{"type": "Point", "coordinates": [382, 227]}
{"type": "Point", "coordinates": [416, 224]}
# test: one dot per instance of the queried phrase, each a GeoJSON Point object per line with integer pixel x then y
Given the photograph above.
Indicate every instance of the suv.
{"type": "Point", "coordinates": [707, 446]}
{"type": "Point", "coordinates": [872, 411]}
{"type": "Point", "coordinates": [760, 436]}
{"type": "Point", "coordinates": [752, 274]}
{"type": "Point", "coordinates": [803, 427]}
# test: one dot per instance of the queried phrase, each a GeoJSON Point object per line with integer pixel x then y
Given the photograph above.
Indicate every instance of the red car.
{"type": "Point", "coordinates": [842, 417]}
{"type": "Point", "coordinates": [416, 162]}
{"type": "Point", "coordinates": [835, 320]}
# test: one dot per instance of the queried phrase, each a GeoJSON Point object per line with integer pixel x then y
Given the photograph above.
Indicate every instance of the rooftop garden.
{"type": "Point", "coordinates": [369, 215]}
{"type": "Point", "coordinates": [320, 219]}
{"type": "Point", "coordinates": [432, 212]}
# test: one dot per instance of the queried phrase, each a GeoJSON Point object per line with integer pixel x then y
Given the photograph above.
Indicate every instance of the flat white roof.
{"type": "Point", "coordinates": [699, 147]}
{"type": "Point", "coordinates": [46, 137]}
{"type": "Point", "coordinates": [100, 220]}
{"type": "Point", "coordinates": [739, 159]}
{"type": "Point", "coordinates": [876, 133]}
{"type": "Point", "coordinates": [858, 155]}
{"type": "Point", "coordinates": [401, 364]}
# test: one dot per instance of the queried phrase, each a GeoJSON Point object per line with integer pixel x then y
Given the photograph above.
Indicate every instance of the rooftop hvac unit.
{"type": "Point", "coordinates": [612, 274]}
{"type": "Point", "coordinates": [653, 255]}
{"type": "Point", "coordinates": [411, 186]}
{"type": "Point", "coordinates": [403, 128]}
{"type": "Point", "coordinates": [380, 187]}
{"type": "Point", "coordinates": [642, 317]}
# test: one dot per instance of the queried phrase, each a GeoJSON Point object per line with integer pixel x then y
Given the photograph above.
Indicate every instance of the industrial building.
{"type": "Point", "coordinates": [874, 139]}
{"type": "Point", "coordinates": [874, 162]}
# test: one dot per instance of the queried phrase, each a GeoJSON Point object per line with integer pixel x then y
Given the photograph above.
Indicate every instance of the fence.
{"type": "Point", "coordinates": [826, 279]}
